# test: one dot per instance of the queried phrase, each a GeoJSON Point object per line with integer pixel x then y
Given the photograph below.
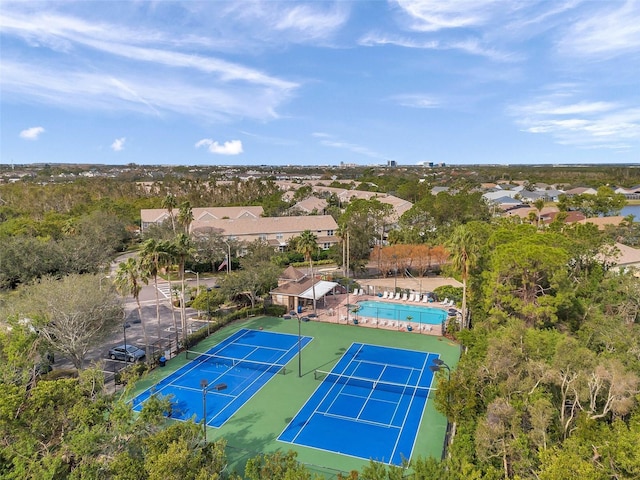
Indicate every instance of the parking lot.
{"type": "Point", "coordinates": [161, 336]}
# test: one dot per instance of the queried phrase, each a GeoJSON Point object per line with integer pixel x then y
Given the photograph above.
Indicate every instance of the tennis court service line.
{"type": "Point", "coordinates": [371, 385]}
{"type": "Point", "coordinates": [199, 390]}
{"type": "Point", "coordinates": [406, 415]}
{"type": "Point", "coordinates": [378, 407]}
{"type": "Point", "coordinates": [234, 362]}
{"type": "Point", "coordinates": [386, 365]}
{"type": "Point", "coordinates": [244, 374]}
{"type": "Point", "coordinates": [282, 360]}
{"type": "Point", "coordinates": [260, 347]}
{"type": "Point", "coordinates": [364, 382]}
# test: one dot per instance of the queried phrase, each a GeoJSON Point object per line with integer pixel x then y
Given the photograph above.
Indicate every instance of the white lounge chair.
{"type": "Point", "coordinates": [445, 301]}
{"type": "Point", "coordinates": [404, 297]}
{"type": "Point", "coordinates": [417, 297]}
{"type": "Point", "coordinates": [411, 297]}
{"type": "Point", "coordinates": [397, 297]}
{"type": "Point", "coordinates": [452, 303]}
{"type": "Point", "coordinates": [385, 294]}
{"type": "Point", "coordinates": [425, 299]}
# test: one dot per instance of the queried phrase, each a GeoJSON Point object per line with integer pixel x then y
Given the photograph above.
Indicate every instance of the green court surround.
{"type": "Point", "coordinates": [256, 426]}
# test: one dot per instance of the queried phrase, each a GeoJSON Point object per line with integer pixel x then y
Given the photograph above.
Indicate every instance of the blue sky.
{"type": "Point", "coordinates": [319, 83]}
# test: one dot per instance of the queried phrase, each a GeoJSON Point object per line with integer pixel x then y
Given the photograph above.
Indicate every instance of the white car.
{"type": "Point", "coordinates": [127, 353]}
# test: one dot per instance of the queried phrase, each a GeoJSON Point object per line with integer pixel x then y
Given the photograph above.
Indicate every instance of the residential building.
{"type": "Point", "coordinates": [274, 230]}
{"type": "Point", "coordinates": [201, 216]}
{"type": "Point", "coordinates": [310, 206]}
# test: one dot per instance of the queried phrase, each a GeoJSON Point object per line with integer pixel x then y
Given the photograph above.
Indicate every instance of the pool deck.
{"type": "Point", "coordinates": [333, 309]}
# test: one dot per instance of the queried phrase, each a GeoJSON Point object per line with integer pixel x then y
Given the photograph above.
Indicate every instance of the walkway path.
{"type": "Point", "coordinates": [334, 307]}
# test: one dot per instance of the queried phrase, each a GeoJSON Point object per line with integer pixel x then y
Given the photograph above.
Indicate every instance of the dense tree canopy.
{"type": "Point", "coordinates": [547, 387]}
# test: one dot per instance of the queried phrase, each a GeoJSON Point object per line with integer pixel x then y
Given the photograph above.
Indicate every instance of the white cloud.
{"type": "Point", "coordinates": [232, 147]}
{"type": "Point", "coordinates": [138, 92]}
{"type": "Point", "coordinates": [263, 24]}
{"type": "Point", "coordinates": [585, 124]}
{"type": "Point", "coordinates": [310, 22]}
{"type": "Point", "coordinates": [118, 144]}
{"type": "Point", "coordinates": [153, 75]}
{"type": "Point", "coordinates": [328, 141]}
{"type": "Point", "coordinates": [433, 15]}
{"type": "Point", "coordinates": [470, 46]}
{"type": "Point", "coordinates": [417, 101]}
{"type": "Point", "coordinates": [31, 133]}
{"type": "Point", "coordinates": [604, 32]}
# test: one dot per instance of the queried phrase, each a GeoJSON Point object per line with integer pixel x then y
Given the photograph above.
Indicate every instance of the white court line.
{"type": "Point", "coordinates": [404, 421]}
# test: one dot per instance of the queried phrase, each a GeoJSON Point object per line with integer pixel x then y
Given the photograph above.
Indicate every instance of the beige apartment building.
{"type": "Point", "coordinates": [276, 231]}
{"type": "Point", "coordinates": [245, 224]}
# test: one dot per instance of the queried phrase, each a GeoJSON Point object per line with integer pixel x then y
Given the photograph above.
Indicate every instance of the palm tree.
{"type": "Point", "coordinates": [168, 264]}
{"type": "Point", "coordinates": [307, 244]}
{"type": "Point", "coordinates": [464, 255]}
{"type": "Point", "coordinates": [169, 202]}
{"type": "Point", "coordinates": [183, 249]}
{"type": "Point", "coordinates": [185, 216]}
{"type": "Point", "coordinates": [153, 256]}
{"type": "Point", "coordinates": [539, 204]}
{"type": "Point", "coordinates": [128, 280]}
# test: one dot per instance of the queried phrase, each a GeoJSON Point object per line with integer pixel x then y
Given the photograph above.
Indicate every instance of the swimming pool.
{"type": "Point", "coordinates": [400, 312]}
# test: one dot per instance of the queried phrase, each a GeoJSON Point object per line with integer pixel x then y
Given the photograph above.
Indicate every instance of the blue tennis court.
{"type": "Point", "coordinates": [234, 371]}
{"type": "Point", "coordinates": [369, 406]}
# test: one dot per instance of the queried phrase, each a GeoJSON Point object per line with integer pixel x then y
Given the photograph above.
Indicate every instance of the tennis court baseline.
{"type": "Point", "coordinates": [234, 370]}
{"type": "Point", "coordinates": [369, 406]}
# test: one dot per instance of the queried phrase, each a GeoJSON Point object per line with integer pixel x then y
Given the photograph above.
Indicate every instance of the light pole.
{"type": "Point", "coordinates": [197, 284]}
{"type": "Point", "coordinates": [208, 310]}
{"type": "Point", "coordinates": [228, 255]}
{"type": "Point", "coordinates": [204, 384]}
{"type": "Point", "coordinates": [293, 312]}
{"type": "Point", "coordinates": [197, 279]}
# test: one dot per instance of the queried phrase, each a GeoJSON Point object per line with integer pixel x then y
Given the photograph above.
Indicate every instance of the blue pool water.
{"type": "Point", "coordinates": [400, 312]}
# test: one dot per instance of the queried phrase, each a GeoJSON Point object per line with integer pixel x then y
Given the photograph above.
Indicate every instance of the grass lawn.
{"type": "Point", "coordinates": [256, 426]}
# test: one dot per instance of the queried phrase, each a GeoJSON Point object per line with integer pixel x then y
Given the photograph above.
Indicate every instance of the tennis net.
{"type": "Point", "coordinates": [230, 362]}
{"type": "Point", "coordinates": [371, 384]}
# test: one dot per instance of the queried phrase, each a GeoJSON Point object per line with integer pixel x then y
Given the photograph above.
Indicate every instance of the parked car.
{"type": "Point", "coordinates": [127, 353]}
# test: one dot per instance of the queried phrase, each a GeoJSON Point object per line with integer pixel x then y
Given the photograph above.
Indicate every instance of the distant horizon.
{"type": "Point", "coordinates": [320, 83]}
{"type": "Point", "coordinates": [465, 165]}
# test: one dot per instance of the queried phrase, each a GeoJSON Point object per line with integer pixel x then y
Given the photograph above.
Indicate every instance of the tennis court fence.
{"type": "Point", "coordinates": [229, 362]}
{"type": "Point", "coordinates": [371, 384]}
